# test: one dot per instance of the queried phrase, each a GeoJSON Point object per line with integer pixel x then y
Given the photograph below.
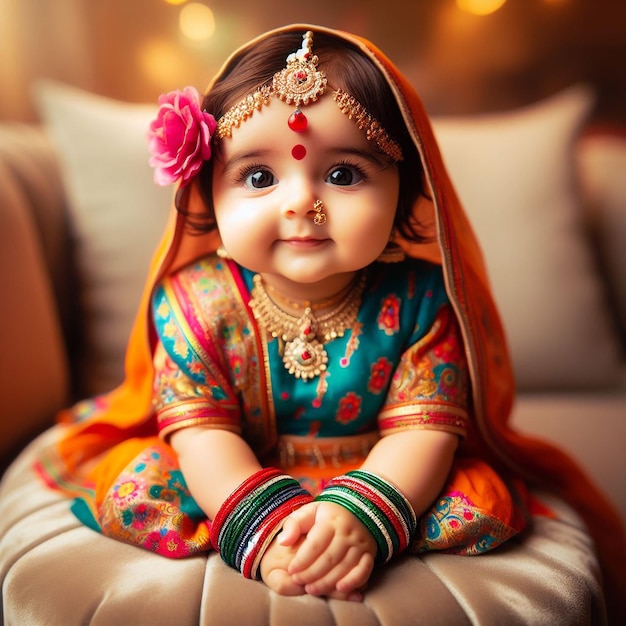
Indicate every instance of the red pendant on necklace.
{"type": "Point", "coordinates": [298, 152]}
{"type": "Point", "coordinates": [297, 121]}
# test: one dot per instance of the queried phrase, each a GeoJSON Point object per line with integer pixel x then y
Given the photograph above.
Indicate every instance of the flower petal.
{"type": "Point", "coordinates": [179, 138]}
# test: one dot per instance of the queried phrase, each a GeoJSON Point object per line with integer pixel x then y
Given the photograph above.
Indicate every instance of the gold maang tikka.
{"type": "Point", "coordinates": [301, 83]}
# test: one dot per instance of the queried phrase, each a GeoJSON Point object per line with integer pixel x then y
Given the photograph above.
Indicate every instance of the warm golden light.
{"type": "Point", "coordinates": [480, 7]}
{"type": "Point", "coordinates": [175, 2]}
{"type": "Point", "coordinates": [196, 21]}
{"type": "Point", "coordinates": [161, 62]}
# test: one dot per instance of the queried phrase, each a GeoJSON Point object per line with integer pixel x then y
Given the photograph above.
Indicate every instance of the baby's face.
{"type": "Point", "coordinates": [267, 178]}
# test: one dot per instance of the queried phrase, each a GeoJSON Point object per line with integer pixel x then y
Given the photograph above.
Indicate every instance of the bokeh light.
{"type": "Point", "coordinates": [161, 62]}
{"type": "Point", "coordinates": [196, 22]}
{"type": "Point", "coordinates": [480, 7]}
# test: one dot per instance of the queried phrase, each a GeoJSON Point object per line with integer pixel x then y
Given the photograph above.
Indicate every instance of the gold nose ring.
{"type": "Point", "coordinates": [320, 216]}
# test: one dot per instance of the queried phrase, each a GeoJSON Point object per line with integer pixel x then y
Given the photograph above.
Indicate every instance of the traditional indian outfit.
{"type": "Point", "coordinates": [426, 350]}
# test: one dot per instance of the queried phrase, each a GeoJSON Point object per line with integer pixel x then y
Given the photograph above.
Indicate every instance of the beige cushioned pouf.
{"type": "Point", "coordinates": [57, 572]}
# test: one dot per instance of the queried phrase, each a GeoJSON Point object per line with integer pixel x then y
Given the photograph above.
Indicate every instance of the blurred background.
{"type": "Point", "coordinates": [464, 56]}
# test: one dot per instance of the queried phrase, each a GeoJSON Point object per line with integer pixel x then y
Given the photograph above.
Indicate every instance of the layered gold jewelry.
{"type": "Point", "coordinates": [303, 337]}
{"type": "Point", "coordinates": [299, 305]}
{"type": "Point", "coordinates": [301, 83]}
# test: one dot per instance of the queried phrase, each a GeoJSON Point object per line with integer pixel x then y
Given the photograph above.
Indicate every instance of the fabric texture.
{"type": "Point", "coordinates": [469, 292]}
{"type": "Point", "coordinates": [202, 320]}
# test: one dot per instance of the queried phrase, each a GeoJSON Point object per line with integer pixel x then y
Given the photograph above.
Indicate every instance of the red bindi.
{"type": "Point", "coordinates": [298, 152]}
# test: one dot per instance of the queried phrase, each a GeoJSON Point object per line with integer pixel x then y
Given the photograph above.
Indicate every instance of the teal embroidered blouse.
{"type": "Point", "coordinates": [400, 366]}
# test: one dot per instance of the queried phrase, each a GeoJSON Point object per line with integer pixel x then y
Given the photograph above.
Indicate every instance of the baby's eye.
{"type": "Point", "coordinates": [345, 175]}
{"type": "Point", "coordinates": [259, 179]}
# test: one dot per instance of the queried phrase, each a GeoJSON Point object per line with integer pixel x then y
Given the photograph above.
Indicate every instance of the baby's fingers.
{"type": "Point", "coordinates": [322, 577]}
{"type": "Point", "coordinates": [280, 581]}
{"type": "Point", "coordinates": [314, 545]}
{"type": "Point", "coordinates": [297, 524]}
{"type": "Point", "coordinates": [358, 576]}
{"type": "Point", "coordinates": [290, 533]}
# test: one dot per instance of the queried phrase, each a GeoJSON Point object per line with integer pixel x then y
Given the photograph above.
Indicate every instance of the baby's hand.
{"type": "Point", "coordinates": [298, 524]}
{"type": "Point", "coordinates": [336, 557]}
{"type": "Point", "coordinates": [274, 568]}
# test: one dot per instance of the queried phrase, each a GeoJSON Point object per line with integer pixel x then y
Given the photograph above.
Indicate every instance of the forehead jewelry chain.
{"type": "Point", "coordinates": [303, 337]}
{"type": "Point", "coordinates": [300, 82]}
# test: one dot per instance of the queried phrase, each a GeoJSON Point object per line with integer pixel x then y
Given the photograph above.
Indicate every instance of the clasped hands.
{"type": "Point", "coordinates": [323, 550]}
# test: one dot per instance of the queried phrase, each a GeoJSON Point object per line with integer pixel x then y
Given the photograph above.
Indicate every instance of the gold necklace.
{"type": "Point", "coordinates": [304, 337]}
{"type": "Point", "coordinates": [282, 302]}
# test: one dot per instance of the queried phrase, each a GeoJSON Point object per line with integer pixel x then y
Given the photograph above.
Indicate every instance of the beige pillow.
{"type": "Point", "coordinates": [117, 215]}
{"type": "Point", "coordinates": [515, 174]}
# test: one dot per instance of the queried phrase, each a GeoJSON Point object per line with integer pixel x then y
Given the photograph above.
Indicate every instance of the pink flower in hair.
{"type": "Point", "coordinates": [180, 137]}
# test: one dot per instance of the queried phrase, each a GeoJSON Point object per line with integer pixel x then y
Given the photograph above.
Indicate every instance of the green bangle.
{"type": "Point", "coordinates": [395, 496]}
{"type": "Point", "coordinates": [367, 513]}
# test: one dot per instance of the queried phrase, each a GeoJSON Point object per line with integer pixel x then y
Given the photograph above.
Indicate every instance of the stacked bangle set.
{"type": "Point", "coordinates": [252, 515]}
{"type": "Point", "coordinates": [382, 508]}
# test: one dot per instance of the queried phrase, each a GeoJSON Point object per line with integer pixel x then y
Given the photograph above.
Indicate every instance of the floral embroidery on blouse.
{"type": "Point", "coordinates": [349, 408]}
{"type": "Point", "coordinates": [380, 374]}
{"type": "Point", "coordinates": [389, 316]}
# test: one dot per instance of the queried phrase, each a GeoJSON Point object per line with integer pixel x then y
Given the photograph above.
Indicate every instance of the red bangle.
{"type": "Point", "coordinates": [271, 527]}
{"type": "Point", "coordinates": [229, 505]}
{"type": "Point", "coordinates": [251, 516]}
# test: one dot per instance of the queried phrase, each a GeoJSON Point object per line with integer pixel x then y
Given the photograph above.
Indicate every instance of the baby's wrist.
{"type": "Point", "coordinates": [252, 516]}
{"type": "Point", "coordinates": [378, 505]}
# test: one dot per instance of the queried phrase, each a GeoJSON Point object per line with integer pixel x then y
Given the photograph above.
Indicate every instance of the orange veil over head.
{"type": "Point", "coordinates": [128, 411]}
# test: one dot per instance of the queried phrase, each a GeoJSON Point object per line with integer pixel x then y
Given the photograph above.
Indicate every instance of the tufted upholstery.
{"type": "Point", "coordinates": [57, 571]}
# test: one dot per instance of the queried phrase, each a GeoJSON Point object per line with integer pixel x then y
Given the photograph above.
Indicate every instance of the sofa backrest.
{"type": "Point", "coordinates": [34, 262]}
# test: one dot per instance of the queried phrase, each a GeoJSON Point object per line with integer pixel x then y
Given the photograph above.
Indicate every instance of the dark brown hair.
{"type": "Point", "coordinates": [347, 68]}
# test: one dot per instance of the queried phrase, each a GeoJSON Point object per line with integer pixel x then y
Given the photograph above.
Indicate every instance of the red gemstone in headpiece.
{"type": "Point", "coordinates": [297, 121]}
